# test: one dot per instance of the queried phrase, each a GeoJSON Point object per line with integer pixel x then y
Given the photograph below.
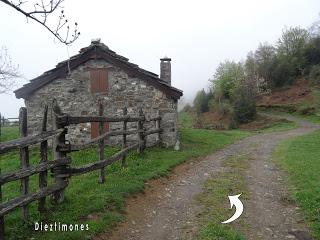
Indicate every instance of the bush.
{"type": "Point", "coordinates": [244, 107]}
{"type": "Point", "coordinates": [314, 75]}
{"type": "Point", "coordinates": [233, 124]}
{"type": "Point", "coordinates": [284, 72]}
{"type": "Point", "coordinates": [312, 51]}
{"type": "Point", "coordinates": [187, 108]}
{"type": "Point", "coordinates": [308, 110]}
{"type": "Point", "coordinates": [224, 108]}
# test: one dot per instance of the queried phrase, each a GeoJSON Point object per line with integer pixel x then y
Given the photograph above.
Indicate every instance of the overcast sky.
{"type": "Point", "coordinates": [197, 35]}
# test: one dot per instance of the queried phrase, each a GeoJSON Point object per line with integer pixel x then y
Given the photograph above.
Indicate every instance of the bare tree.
{"type": "Point", "coordinates": [46, 13]}
{"type": "Point", "coordinates": [41, 12]}
{"type": "Point", "coordinates": [8, 72]}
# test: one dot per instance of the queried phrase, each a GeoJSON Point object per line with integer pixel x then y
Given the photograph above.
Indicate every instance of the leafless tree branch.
{"type": "Point", "coordinates": [8, 72]}
{"type": "Point", "coordinates": [41, 11]}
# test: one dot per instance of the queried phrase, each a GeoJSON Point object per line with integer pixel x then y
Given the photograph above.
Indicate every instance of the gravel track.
{"type": "Point", "coordinates": [166, 209]}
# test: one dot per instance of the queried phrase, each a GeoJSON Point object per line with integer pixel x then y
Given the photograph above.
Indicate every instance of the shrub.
{"type": "Point", "coordinates": [224, 108]}
{"type": "Point", "coordinates": [244, 107]}
{"type": "Point", "coordinates": [314, 75]}
{"type": "Point", "coordinates": [187, 108]}
{"type": "Point", "coordinates": [284, 71]}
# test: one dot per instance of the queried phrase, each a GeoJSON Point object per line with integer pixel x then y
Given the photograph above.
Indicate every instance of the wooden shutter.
{"type": "Point", "coordinates": [99, 80]}
{"type": "Point", "coordinates": [98, 84]}
{"type": "Point", "coordinates": [94, 81]}
{"type": "Point", "coordinates": [95, 129]}
{"type": "Point", "coordinates": [103, 80]}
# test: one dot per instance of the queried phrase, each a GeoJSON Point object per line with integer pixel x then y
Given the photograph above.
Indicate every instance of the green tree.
{"type": "Point", "coordinates": [226, 79]}
{"type": "Point", "coordinates": [312, 56]}
{"type": "Point", "coordinates": [292, 41]}
{"type": "Point", "coordinates": [264, 58]}
{"type": "Point", "coordinates": [234, 84]}
{"type": "Point", "coordinates": [244, 104]}
{"type": "Point", "coordinates": [200, 102]}
{"type": "Point", "coordinates": [312, 51]}
{"type": "Point", "coordinates": [291, 48]}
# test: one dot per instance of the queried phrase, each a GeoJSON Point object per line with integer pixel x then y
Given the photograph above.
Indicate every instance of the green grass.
{"type": "Point", "coordinates": [186, 119]}
{"type": "Point", "coordinates": [216, 204]}
{"type": "Point", "coordinates": [299, 157]}
{"type": "Point", "coordinates": [102, 205]}
{"type": "Point", "coordinates": [8, 133]}
{"type": "Point", "coordinates": [281, 125]}
{"type": "Point", "coordinates": [314, 118]}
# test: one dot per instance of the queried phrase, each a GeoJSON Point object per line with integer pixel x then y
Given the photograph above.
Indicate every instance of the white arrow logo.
{"type": "Point", "coordinates": [234, 200]}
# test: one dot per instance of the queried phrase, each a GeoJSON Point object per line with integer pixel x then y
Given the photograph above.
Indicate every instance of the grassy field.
{"type": "Point", "coordinates": [299, 157]}
{"type": "Point", "coordinates": [216, 189]}
{"type": "Point", "coordinates": [102, 205]}
{"type": "Point", "coordinates": [311, 118]}
{"type": "Point", "coordinates": [187, 120]}
{"type": "Point", "coordinates": [277, 126]}
{"type": "Point", "coordinates": [314, 118]}
{"type": "Point", "coordinates": [8, 133]}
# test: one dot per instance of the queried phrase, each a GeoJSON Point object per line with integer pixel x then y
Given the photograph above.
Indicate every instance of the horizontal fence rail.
{"type": "Point", "coordinates": [100, 164]}
{"type": "Point", "coordinates": [96, 140]}
{"type": "Point", "coordinates": [27, 141]}
{"type": "Point", "coordinates": [67, 120]}
{"type": "Point", "coordinates": [27, 172]}
{"type": "Point", "coordinates": [30, 197]}
{"type": "Point", "coordinates": [61, 165]}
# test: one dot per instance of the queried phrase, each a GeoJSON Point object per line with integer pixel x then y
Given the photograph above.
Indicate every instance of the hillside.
{"type": "Point", "coordinates": [299, 98]}
{"type": "Point", "coordinates": [298, 92]}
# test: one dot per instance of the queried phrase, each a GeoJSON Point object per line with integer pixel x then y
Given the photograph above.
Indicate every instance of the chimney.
{"type": "Point", "coordinates": [165, 70]}
{"type": "Point", "coordinates": [95, 41]}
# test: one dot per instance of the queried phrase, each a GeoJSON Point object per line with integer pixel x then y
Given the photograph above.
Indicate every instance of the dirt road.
{"type": "Point", "coordinates": [167, 211]}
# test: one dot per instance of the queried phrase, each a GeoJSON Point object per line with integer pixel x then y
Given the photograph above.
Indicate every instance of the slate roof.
{"type": "Point", "coordinates": [97, 50]}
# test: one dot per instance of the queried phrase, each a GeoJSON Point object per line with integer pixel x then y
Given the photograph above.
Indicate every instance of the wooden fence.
{"type": "Point", "coordinates": [61, 165]}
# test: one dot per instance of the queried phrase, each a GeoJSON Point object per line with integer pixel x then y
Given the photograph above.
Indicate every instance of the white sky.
{"type": "Point", "coordinates": [197, 35]}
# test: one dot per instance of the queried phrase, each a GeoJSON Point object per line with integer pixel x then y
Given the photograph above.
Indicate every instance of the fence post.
{"type": "Point", "coordinates": [44, 158]}
{"type": "Point", "coordinates": [24, 157]}
{"type": "Point", "coordinates": [1, 217]}
{"type": "Point", "coordinates": [141, 132]}
{"type": "Point", "coordinates": [124, 137]}
{"type": "Point", "coordinates": [158, 126]}
{"type": "Point", "coordinates": [101, 145]}
{"type": "Point", "coordinates": [60, 139]}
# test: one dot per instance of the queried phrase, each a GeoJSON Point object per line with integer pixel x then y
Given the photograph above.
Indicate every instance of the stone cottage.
{"type": "Point", "coordinates": [98, 74]}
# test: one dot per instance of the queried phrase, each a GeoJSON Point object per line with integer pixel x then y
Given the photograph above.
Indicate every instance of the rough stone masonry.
{"type": "Point", "coordinates": [125, 87]}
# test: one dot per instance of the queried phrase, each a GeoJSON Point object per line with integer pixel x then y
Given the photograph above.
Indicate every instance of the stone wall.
{"type": "Point", "coordinates": [74, 97]}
